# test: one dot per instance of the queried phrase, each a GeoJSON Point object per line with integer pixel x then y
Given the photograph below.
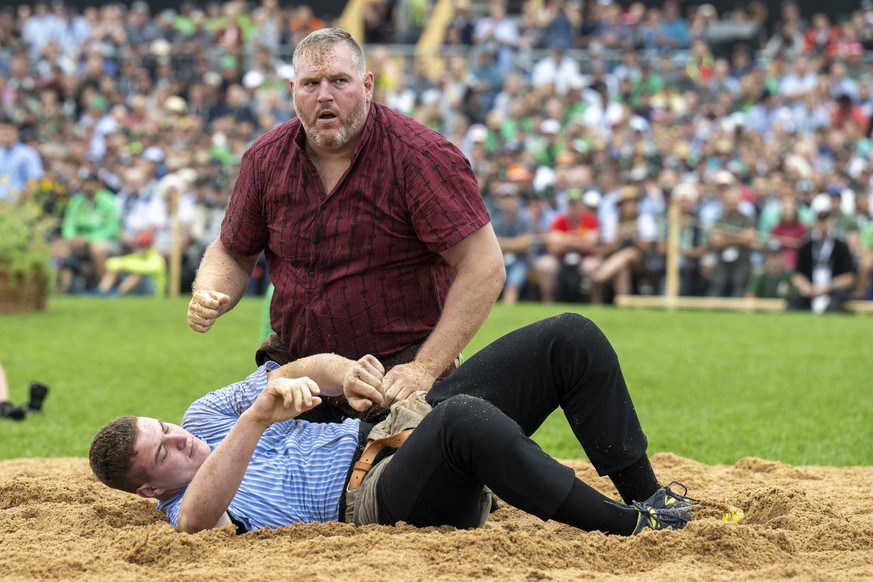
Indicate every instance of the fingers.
{"type": "Point", "coordinates": [404, 380]}
{"type": "Point", "coordinates": [397, 387]}
{"type": "Point", "coordinates": [298, 394]}
{"type": "Point", "coordinates": [360, 393]}
{"type": "Point", "coordinates": [204, 308]}
{"type": "Point", "coordinates": [374, 365]}
{"type": "Point", "coordinates": [362, 385]}
{"type": "Point", "coordinates": [360, 404]}
{"type": "Point", "coordinates": [368, 376]}
{"type": "Point", "coordinates": [305, 392]}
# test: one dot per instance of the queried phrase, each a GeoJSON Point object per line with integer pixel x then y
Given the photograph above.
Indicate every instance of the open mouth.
{"type": "Point", "coordinates": [326, 116]}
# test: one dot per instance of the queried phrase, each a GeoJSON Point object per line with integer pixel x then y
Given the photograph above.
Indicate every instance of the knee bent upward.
{"type": "Point", "coordinates": [472, 419]}
{"type": "Point", "coordinates": [577, 332]}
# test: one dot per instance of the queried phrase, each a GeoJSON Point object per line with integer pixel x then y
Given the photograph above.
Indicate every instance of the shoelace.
{"type": "Point", "coordinates": [684, 497]}
{"type": "Point", "coordinates": [664, 516]}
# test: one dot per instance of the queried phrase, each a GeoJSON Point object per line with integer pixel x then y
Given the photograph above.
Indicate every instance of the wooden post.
{"type": "Point", "coordinates": [352, 19]}
{"type": "Point", "coordinates": [673, 255]}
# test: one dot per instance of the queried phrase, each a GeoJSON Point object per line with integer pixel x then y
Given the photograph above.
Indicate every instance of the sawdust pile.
{"type": "Point", "coordinates": [807, 523]}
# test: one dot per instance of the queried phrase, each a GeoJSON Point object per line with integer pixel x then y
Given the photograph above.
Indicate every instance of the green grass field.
{"type": "Point", "coordinates": [714, 387]}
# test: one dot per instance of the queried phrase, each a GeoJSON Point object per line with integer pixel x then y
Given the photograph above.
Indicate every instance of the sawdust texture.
{"type": "Point", "coordinates": [802, 523]}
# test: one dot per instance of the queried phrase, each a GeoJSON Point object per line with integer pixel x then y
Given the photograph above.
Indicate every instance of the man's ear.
{"type": "Point", "coordinates": [148, 491]}
{"type": "Point", "coordinates": [369, 85]}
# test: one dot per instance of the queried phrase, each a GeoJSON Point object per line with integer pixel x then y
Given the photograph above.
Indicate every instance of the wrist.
{"type": "Point", "coordinates": [431, 368]}
{"type": "Point", "coordinates": [252, 418]}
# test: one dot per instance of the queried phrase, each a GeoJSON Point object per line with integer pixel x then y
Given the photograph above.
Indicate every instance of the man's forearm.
{"type": "Point", "coordinates": [468, 303]}
{"type": "Point", "coordinates": [802, 284]}
{"type": "Point", "coordinates": [327, 370]}
{"type": "Point", "coordinates": [220, 270]}
{"type": "Point", "coordinates": [844, 281]}
{"type": "Point", "coordinates": [217, 481]}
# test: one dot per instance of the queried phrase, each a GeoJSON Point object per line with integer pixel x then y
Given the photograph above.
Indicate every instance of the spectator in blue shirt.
{"type": "Point", "coordinates": [19, 163]}
{"type": "Point", "coordinates": [240, 457]}
{"type": "Point", "coordinates": [674, 29]}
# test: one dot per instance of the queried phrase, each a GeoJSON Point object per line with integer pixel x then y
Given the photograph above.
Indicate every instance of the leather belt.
{"type": "Point", "coordinates": [363, 465]}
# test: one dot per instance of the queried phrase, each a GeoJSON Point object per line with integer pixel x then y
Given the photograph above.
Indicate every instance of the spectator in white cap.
{"type": "Point", "coordinates": [572, 248]}
{"type": "Point", "coordinates": [693, 243]}
{"type": "Point", "coordinates": [825, 275]}
{"type": "Point", "coordinates": [153, 158]}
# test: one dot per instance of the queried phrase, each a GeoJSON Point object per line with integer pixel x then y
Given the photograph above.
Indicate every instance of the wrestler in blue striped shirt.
{"type": "Point", "coordinates": [314, 459]}
{"type": "Point", "coordinates": [240, 457]}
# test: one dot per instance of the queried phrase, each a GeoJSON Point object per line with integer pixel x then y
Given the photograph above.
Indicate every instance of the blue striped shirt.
{"type": "Point", "coordinates": [297, 471]}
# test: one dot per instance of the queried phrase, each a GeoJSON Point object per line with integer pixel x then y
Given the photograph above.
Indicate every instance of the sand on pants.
{"type": "Point", "coordinates": [801, 523]}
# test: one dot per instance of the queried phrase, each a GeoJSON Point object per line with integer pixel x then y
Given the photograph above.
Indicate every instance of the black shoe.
{"type": "Point", "coordinates": [665, 509]}
{"type": "Point", "coordinates": [38, 393]}
{"type": "Point", "coordinates": [9, 410]}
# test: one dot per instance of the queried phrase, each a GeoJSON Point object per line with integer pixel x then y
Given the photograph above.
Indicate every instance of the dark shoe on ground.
{"type": "Point", "coordinates": [664, 509]}
{"type": "Point", "coordinates": [38, 392]}
{"type": "Point", "coordinates": [9, 410]}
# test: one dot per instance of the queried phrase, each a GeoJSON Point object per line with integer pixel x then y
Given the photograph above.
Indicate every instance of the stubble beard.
{"type": "Point", "coordinates": [341, 136]}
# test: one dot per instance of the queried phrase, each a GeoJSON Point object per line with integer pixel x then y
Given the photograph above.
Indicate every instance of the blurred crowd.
{"type": "Point", "coordinates": [583, 122]}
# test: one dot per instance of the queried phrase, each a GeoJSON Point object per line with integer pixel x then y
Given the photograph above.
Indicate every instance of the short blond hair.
{"type": "Point", "coordinates": [319, 41]}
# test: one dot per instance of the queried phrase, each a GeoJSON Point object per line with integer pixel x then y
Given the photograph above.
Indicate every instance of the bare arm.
{"type": "Point", "coordinates": [205, 503]}
{"type": "Point", "coordinates": [220, 284]}
{"type": "Point", "coordinates": [360, 382]}
{"type": "Point", "coordinates": [802, 284]}
{"type": "Point", "coordinates": [844, 281]}
{"type": "Point", "coordinates": [480, 275]}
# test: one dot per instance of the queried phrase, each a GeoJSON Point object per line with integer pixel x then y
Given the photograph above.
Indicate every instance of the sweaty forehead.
{"type": "Point", "coordinates": [148, 432]}
{"type": "Point", "coordinates": [328, 61]}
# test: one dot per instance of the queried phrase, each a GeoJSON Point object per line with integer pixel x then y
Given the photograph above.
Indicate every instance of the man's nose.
{"type": "Point", "coordinates": [178, 440]}
{"type": "Point", "coordinates": [324, 91]}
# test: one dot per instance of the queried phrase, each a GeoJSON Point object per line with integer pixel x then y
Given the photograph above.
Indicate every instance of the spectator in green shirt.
{"type": "Point", "coordinates": [90, 232]}
{"type": "Point", "coordinates": [773, 280]}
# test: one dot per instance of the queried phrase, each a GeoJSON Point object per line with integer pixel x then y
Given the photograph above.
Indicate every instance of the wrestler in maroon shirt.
{"type": "Point", "coordinates": [374, 230]}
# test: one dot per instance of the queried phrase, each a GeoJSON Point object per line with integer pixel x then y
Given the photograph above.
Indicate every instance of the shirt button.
{"type": "Point", "coordinates": [316, 241]}
{"type": "Point", "coordinates": [323, 205]}
{"type": "Point", "coordinates": [311, 274]}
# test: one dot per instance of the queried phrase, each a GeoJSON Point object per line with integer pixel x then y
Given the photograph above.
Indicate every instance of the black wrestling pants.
{"type": "Point", "coordinates": [436, 477]}
{"type": "Point", "coordinates": [563, 361]}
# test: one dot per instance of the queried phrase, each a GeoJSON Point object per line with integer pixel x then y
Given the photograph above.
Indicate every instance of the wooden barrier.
{"type": "Point", "coordinates": [861, 307]}
{"type": "Point", "coordinates": [672, 300]}
{"type": "Point", "coordinates": [700, 303]}
{"type": "Point", "coordinates": [744, 304]}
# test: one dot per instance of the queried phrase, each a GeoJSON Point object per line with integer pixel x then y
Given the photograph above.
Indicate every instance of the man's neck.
{"type": "Point", "coordinates": [168, 494]}
{"type": "Point", "coordinates": [332, 156]}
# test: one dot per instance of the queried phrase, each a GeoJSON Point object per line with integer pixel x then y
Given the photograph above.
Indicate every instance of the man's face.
{"type": "Point", "coordinates": [824, 223]}
{"type": "Point", "coordinates": [575, 209]}
{"type": "Point", "coordinates": [330, 97]}
{"type": "Point", "coordinates": [166, 455]}
{"type": "Point", "coordinates": [8, 135]}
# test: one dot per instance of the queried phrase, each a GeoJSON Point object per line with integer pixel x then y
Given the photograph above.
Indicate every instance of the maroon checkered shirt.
{"type": "Point", "coordinates": [358, 271]}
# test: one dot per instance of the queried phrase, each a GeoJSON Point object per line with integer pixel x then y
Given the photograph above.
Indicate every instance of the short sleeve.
{"type": "Point", "coordinates": [244, 228]}
{"type": "Point", "coordinates": [443, 196]}
{"type": "Point", "coordinates": [213, 414]}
